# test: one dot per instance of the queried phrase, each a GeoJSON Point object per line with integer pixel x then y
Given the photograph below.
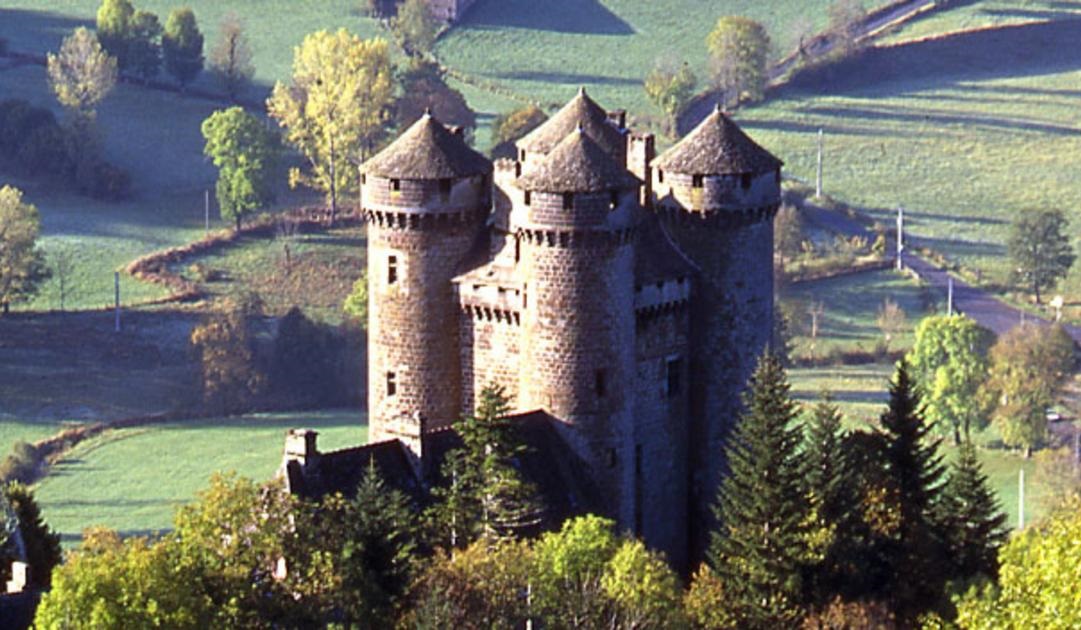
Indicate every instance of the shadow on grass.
{"type": "Point", "coordinates": [1009, 51]}
{"type": "Point", "coordinates": [905, 116]}
{"type": "Point", "coordinates": [585, 17]}
{"type": "Point", "coordinates": [568, 78]}
{"type": "Point", "coordinates": [961, 247]}
{"type": "Point", "coordinates": [20, 26]}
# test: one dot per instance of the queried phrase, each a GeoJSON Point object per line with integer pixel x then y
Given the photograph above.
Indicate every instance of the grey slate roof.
{"type": "Point", "coordinates": [717, 146]}
{"type": "Point", "coordinates": [427, 150]}
{"type": "Point", "coordinates": [578, 164]}
{"type": "Point", "coordinates": [583, 112]}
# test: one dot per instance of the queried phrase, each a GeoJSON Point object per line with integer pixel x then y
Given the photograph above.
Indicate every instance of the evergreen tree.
{"type": "Point", "coordinates": [913, 548]}
{"type": "Point", "coordinates": [831, 486]}
{"type": "Point", "coordinates": [483, 494]}
{"type": "Point", "coordinates": [114, 29]}
{"type": "Point", "coordinates": [144, 45]}
{"type": "Point", "coordinates": [760, 546]}
{"type": "Point", "coordinates": [182, 46]}
{"type": "Point", "coordinates": [976, 521]}
{"type": "Point", "coordinates": [41, 543]}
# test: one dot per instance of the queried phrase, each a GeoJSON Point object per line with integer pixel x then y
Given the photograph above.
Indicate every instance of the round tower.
{"type": "Point", "coordinates": [574, 222]}
{"type": "Point", "coordinates": [425, 198]}
{"type": "Point", "coordinates": [717, 192]}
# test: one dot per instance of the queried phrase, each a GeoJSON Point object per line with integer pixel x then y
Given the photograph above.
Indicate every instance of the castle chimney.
{"type": "Point", "coordinates": [300, 445]}
{"type": "Point", "coordinates": [20, 577]}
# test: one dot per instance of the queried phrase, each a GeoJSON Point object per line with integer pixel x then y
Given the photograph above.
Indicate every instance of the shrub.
{"type": "Point", "coordinates": [99, 179]}
{"type": "Point", "coordinates": [47, 150]}
{"type": "Point", "coordinates": [22, 464]}
{"type": "Point", "coordinates": [18, 119]}
{"type": "Point", "coordinates": [204, 273]}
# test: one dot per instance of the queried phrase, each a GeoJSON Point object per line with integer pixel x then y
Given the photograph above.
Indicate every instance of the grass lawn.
{"type": "Point", "coordinates": [964, 132]}
{"type": "Point", "coordinates": [861, 393]}
{"type": "Point", "coordinates": [133, 479]}
{"type": "Point", "coordinates": [546, 50]}
{"type": "Point", "coordinates": [274, 27]}
{"type": "Point", "coordinates": [850, 306]}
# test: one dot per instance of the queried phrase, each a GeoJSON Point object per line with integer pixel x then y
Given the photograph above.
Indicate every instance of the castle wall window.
{"type": "Point", "coordinates": [660, 176]}
{"type": "Point", "coordinates": [600, 383]}
{"type": "Point", "coordinates": [392, 269]}
{"type": "Point", "coordinates": [745, 181]}
{"type": "Point", "coordinates": [363, 178]}
{"type": "Point", "coordinates": [613, 199]}
{"type": "Point", "coordinates": [392, 384]}
{"type": "Point", "coordinates": [444, 189]}
{"type": "Point", "coordinates": [517, 249]}
{"type": "Point", "coordinates": [523, 155]}
{"type": "Point", "coordinates": [697, 181]}
{"type": "Point", "coordinates": [528, 198]}
{"type": "Point", "coordinates": [396, 185]}
{"type": "Point", "coordinates": [672, 377]}
{"type": "Point", "coordinates": [517, 169]}
{"type": "Point", "coordinates": [568, 201]}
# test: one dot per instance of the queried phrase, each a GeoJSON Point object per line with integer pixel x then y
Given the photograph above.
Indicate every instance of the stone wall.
{"type": "Point", "coordinates": [715, 192]}
{"type": "Point", "coordinates": [491, 342]}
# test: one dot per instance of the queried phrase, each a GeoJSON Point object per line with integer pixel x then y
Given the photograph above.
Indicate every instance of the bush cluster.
{"type": "Point", "coordinates": [21, 464]}
{"type": "Point", "coordinates": [36, 144]}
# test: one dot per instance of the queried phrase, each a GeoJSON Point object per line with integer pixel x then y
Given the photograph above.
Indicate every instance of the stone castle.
{"type": "Point", "coordinates": [620, 298]}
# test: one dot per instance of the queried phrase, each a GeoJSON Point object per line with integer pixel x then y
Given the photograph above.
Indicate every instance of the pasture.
{"type": "Point", "coordinates": [132, 479]}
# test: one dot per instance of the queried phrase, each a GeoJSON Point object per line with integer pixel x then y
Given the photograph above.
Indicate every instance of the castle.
{"type": "Point", "coordinates": [620, 298]}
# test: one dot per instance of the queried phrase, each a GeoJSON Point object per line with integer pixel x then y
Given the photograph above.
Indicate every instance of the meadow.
{"type": "Point", "coordinates": [133, 479]}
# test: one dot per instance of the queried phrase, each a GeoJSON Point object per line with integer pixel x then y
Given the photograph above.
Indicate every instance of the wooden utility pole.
{"type": "Point", "coordinates": [1021, 499]}
{"type": "Point", "coordinates": [900, 238]}
{"type": "Point", "coordinates": [206, 210]}
{"type": "Point", "coordinates": [949, 295]}
{"type": "Point", "coordinates": [818, 172]}
{"type": "Point", "coordinates": [116, 298]}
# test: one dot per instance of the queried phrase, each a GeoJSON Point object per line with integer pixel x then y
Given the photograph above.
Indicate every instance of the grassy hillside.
{"type": "Point", "coordinates": [547, 49]}
{"type": "Point", "coordinates": [133, 479]}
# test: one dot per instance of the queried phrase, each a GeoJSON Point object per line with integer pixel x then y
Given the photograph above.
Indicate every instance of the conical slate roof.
{"type": "Point", "coordinates": [717, 146]}
{"type": "Point", "coordinates": [583, 112]}
{"type": "Point", "coordinates": [427, 150]}
{"type": "Point", "coordinates": [578, 164]}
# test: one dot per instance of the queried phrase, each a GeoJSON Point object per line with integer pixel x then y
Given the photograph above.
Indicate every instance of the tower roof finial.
{"type": "Point", "coordinates": [581, 90]}
{"type": "Point", "coordinates": [427, 112]}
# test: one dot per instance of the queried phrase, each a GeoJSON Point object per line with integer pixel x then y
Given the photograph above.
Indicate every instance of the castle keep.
{"type": "Point", "coordinates": [620, 298]}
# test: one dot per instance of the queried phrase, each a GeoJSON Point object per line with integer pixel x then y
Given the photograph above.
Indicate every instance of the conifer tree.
{"type": "Point", "coordinates": [976, 521]}
{"type": "Point", "coordinates": [41, 543]}
{"type": "Point", "coordinates": [483, 494]}
{"type": "Point", "coordinates": [759, 549]}
{"type": "Point", "coordinates": [831, 487]}
{"type": "Point", "coordinates": [914, 548]}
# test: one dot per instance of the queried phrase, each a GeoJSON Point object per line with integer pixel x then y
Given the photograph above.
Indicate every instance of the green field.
{"type": "Point", "coordinates": [850, 306]}
{"type": "Point", "coordinates": [547, 49]}
{"type": "Point", "coordinates": [132, 479]}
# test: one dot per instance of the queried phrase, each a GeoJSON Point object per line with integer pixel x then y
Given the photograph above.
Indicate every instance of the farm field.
{"type": "Point", "coordinates": [850, 307]}
{"type": "Point", "coordinates": [546, 50]}
{"type": "Point", "coordinates": [132, 479]}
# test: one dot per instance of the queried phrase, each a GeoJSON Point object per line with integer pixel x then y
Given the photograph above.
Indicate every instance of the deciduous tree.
{"type": "Point", "coordinates": [356, 304]}
{"type": "Point", "coordinates": [114, 28]}
{"type": "Point", "coordinates": [81, 74]}
{"type": "Point", "coordinates": [415, 27]}
{"type": "Point", "coordinates": [739, 48]}
{"type": "Point", "coordinates": [423, 88]}
{"type": "Point", "coordinates": [247, 156]}
{"type": "Point", "coordinates": [231, 377]}
{"type": "Point", "coordinates": [1039, 246]}
{"type": "Point", "coordinates": [144, 45]}
{"type": "Point", "coordinates": [231, 58]}
{"type": "Point", "coordinates": [669, 86]}
{"type": "Point", "coordinates": [22, 263]}
{"type": "Point", "coordinates": [182, 46]}
{"type": "Point", "coordinates": [512, 126]}
{"type": "Point", "coordinates": [949, 361]}
{"type": "Point", "coordinates": [334, 107]}
{"type": "Point", "coordinates": [761, 545]}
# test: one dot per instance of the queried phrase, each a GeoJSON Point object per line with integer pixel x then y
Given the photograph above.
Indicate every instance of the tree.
{"type": "Point", "coordinates": [510, 127]}
{"type": "Point", "coordinates": [761, 543]}
{"type": "Point", "coordinates": [415, 27]}
{"type": "Point", "coordinates": [706, 602]}
{"type": "Point", "coordinates": [913, 546]}
{"type": "Point", "coordinates": [1037, 587]}
{"type": "Point", "coordinates": [670, 87]}
{"type": "Point", "coordinates": [1039, 246]}
{"type": "Point", "coordinates": [114, 29]}
{"type": "Point", "coordinates": [949, 361]}
{"type": "Point", "coordinates": [334, 107]}
{"type": "Point", "coordinates": [144, 45]}
{"type": "Point", "coordinates": [1028, 367]}
{"type": "Point", "coordinates": [891, 321]}
{"type": "Point", "coordinates": [643, 589]}
{"type": "Point", "coordinates": [482, 586]}
{"type": "Point", "coordinates": [569, 566]}
{"type": "Point", "coordinates": [846, 18]}
{"type": "Point", "coordinates": [230, 376]}
{"type": "Point", "coordinates": [788, 233]}
{"type": "Point", "coordinates": [22, 263]}
{"type": "Point", "coordinates": [81, 74]}
{"type": "Point", "coordinates": [182, 46]}
{"type": "Point", "coordinates": [739, 47]}
{"type": "Point", "coordinates": [247, 156]}
{"type": "Point", "coordinates": [356, 303]}
{"type": "Point", "coordinates": [975, 521]}
{"type": "Point", "coordinates": [424, 89]}
{"type": "Point", "coordinates": [41, 544]}
{"type": "Point", "coordinates": [231, 57]}
{"type": "Point", "coordinates": [483, 495]}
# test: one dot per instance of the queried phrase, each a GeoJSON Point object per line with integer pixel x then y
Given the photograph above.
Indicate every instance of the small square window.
{"type": "Point", "coordinates": [696, 181]}
{"type": "Point", "coordinates": [396, 185]}
{"type": "Point", "coordinates": [392, 269]}
{"type": "Point", "coordinates": [568, 201]}
{"type": "Point", "coordinates": [673, 374]}
{"type": "Point", "coordinates": [392, 384]}
{"type": "Point", "coordinates": [528, 198]}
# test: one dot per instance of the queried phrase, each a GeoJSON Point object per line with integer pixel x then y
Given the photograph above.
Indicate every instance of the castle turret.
{"type": "Point", "coordinates": [716, 191]}
{"type": "Point", "coordinates": [574, 217]}
{"type": "Point", "coordinates": [607, 130]}
{"type": "Point", "coordinates": [425, 198]}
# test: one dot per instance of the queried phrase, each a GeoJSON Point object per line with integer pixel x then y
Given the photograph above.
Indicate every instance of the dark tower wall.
{"type": "Point", "coordinates": [419, 231]}
{"type": "Point", "coordinates": [724, 224]}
